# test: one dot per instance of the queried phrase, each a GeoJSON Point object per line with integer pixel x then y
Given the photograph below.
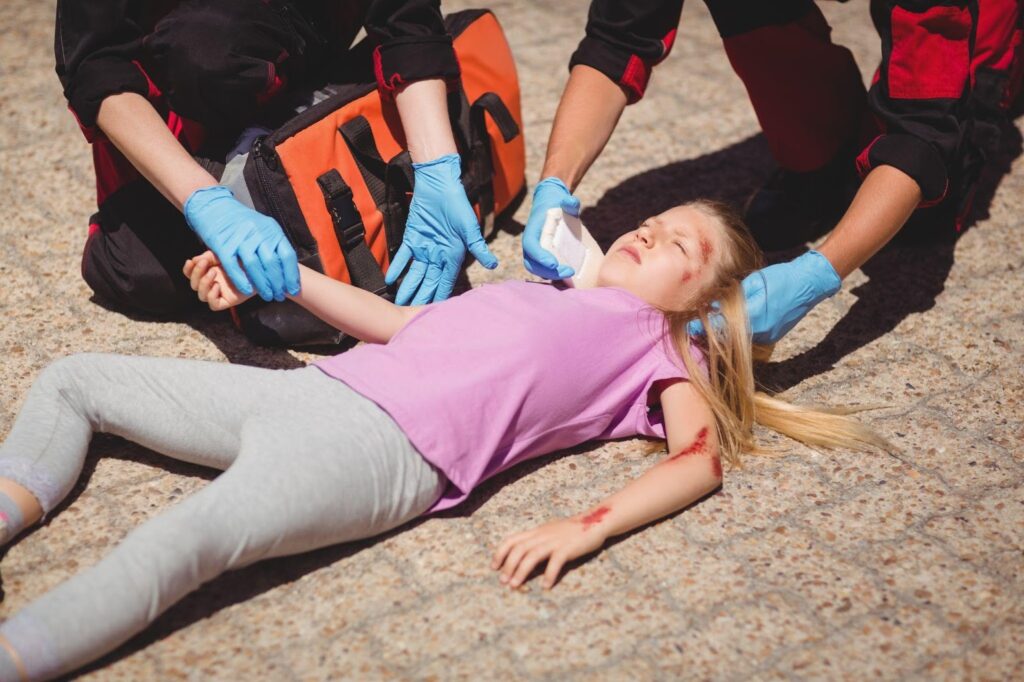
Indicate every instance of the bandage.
{"type": "Point", "coordinates": [570, 242]}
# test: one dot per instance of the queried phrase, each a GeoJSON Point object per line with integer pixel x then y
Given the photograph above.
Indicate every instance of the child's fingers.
{"type": "Point", "coordinates": [511, 562]}
{"type": "Point", "coordinates": [529, 562]}
{"type": "Point", "coordinates": [504, 548]}
{"type": "Point", "coordinates": [554, 569]}
{"type": "Point", "coordinates": [198, 271]}
{"type": "Point", "coordinates": [217, 301]}
{"type": "Point", "coordinates": [187, 268]}
{"type": "Point", "coordinates": [204, 285]}
{"type": "Point", "coordinates": [516, 556]}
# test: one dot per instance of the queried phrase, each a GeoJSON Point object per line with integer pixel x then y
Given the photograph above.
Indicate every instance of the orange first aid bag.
{"type": "Point", "coordinates": [338, 178]}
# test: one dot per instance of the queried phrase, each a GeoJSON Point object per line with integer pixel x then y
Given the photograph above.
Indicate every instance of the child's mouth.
{"type": "Point", "coordinates": [631, 252]}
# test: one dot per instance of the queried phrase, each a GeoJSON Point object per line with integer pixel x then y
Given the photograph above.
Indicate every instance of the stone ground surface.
{"type": "Point", "coordinates": [808, 565]}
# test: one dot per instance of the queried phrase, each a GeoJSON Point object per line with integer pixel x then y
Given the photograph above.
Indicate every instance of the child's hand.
{"type": "Point", "coordinates": [209, 280]}
{"type": "Point", "coordinates": [556, 542]}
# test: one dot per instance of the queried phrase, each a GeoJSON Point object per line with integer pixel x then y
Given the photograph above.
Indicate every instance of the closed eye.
{"type": "Point", "coordinates": [681, 247]}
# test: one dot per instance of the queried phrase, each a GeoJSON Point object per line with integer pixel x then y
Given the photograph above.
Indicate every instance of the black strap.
{"type": "Point", "coordinates": [359, 137]}
{"type": "Point", "coordinates": [389, 182]}
{"type": "Point", "coordinates": [363, 270]}
{"type": "Point", "coordinates": [493, 105]}
{"type": "Point", "coordinates": [398, 180]}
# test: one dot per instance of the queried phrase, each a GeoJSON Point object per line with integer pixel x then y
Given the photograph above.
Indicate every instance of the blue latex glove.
{"type": "Point", "coordinates": [234, 232]}
{"type": "Point", "coordinates": [780, 295]}
{"type": "Point", "coordinates": [440, 228]}
{"type": "Point", "coordinates": [549, 193]}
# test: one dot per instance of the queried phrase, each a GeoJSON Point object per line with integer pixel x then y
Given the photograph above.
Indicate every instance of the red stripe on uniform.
{"type": "Point", "coordinates": [635, 77]}
{"type": "Point", "coordinates": [666, 43]}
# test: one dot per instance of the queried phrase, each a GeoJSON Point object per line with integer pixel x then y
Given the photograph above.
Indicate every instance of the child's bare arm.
{"type": "Point", "coordinates": [354, 311]}
{"type": "Point", "coordinates": [688, 473]}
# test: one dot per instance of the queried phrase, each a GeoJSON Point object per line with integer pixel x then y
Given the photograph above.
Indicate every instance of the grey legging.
{"type": "Point", "coordinates": [309, 463]}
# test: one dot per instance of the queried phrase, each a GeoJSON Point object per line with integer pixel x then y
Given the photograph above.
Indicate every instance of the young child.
{"type": "Point", "coordinates": [441, 398]}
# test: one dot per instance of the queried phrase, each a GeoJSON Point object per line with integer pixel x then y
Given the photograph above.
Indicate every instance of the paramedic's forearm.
{"type": "Point", "coordinates": [137, 130]}
{"type": "Point", "coordinates": [587, 114]}
{"type": "Point", "coordinates": [423, 108]}
{"type": "Point", "coordinates": [356, 312]}
{"type": "Point", "coordinates": [664, 489]}
{"type": "Point", "coordinates": [883, 204]}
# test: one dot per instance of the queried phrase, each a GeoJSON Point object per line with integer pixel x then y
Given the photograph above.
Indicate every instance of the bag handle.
{"type": "Point", "coordinates": [363, 270]}
{"type": "Point", "coordinates": [470, 127]}
{"type": "Point", "coordinates": [495, 106]}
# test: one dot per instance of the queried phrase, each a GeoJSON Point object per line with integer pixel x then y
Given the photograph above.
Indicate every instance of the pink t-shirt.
{"type": "Point", "coordinates": [510, 371]}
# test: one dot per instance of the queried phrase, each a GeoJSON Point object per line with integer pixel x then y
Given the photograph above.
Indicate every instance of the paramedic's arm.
{"type": "Point", "coordinates": [253, 248]}
{"type": "Point", "coordinates": [882, 205]}
{"type": "Point", "coordinates": [137, 130]}
{"type": "Point", "coordinates": [356, 312]}
{"type": "Point", "coordinates": [587, 115]}
{"type": "Point", "coordinates": [423, 109]}
{"type": "Point", "coordinates": [688, 473]}
{"type": "Point", "coordinates": [611, 67]}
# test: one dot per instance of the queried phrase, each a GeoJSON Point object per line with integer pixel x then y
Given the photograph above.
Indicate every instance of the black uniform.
{"type": "Point", "coordinates": [209, 67]}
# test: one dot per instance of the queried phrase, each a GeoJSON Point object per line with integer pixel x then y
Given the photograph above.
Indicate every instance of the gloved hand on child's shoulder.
{"type": "Point", "coordinates": [549, 193]}
{"type": "Point", "coordinates": [779, 295]}
{"type": "Point", "coordinates": [234, 232]}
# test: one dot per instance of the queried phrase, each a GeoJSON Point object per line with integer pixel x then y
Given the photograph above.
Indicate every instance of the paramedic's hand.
{"type": "Point", "coordinates": [549, 193]}
{"type": "Point", "coordinates": [780, 295]}
{"type": "Point", "coordinates": [210, 282]}
{"type": "Point", "coordinates": [440, 227]}
{"type": "Point", "coordinates": [235, 232]}
{"type": "Point", "coordinates": [556, 542]}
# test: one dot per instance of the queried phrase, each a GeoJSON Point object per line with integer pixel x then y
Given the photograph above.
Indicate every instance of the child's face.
{"type": "Point", "coordinates": [668, 260]}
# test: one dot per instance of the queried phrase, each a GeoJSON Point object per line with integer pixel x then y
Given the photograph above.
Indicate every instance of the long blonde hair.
{"type": "Point", "coordinates": [729, 386]}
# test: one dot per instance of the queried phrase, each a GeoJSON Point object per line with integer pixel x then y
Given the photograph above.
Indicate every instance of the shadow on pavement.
{"type": "Point", "coordinates": [904, 278]}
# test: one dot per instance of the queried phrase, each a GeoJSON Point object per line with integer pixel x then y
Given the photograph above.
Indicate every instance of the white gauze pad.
{"type": "Point", "coordinates": [570, 242]}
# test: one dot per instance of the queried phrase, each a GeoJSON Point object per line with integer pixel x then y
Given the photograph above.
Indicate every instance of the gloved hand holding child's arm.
{"type": "Point", "coordinates": [359, 313]}
{"type": "Point", "coordinates": [236, 232]}
{"type": "Point", "coordinates": [779, 296]}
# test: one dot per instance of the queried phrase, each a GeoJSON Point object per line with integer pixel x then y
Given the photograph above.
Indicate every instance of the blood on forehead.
{"type": "Point", "coordinates": [705, 249]}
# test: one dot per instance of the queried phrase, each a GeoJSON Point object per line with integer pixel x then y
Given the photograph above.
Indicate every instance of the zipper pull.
{"type": "Point", "coordinates": [265, 152]}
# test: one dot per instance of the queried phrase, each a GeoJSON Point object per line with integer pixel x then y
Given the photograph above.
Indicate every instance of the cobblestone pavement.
{"type": "Point", "coordinates": [805, 565]}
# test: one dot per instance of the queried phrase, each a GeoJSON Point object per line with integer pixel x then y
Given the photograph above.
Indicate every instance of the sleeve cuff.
{"type": "Point", "coordinates": [628, 70]}
{"type": "Point", "coordinates": [915, 157]}
{"type": "Point", "coordinates": [405, 60]}
{"type": "Point", "coordinates": [98, 79]}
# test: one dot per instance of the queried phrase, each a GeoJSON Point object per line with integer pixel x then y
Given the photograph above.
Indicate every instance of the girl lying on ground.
{"type": "Point", "coordinates": [441, 398]}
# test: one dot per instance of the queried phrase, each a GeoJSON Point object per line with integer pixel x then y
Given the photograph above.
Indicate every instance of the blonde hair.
{"type": "Point", "coordinates": [729, 386]}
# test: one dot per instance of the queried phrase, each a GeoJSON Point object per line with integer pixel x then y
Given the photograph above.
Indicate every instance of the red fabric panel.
{"type": "Point", "coordinates": [930, 55]}
{"type": "Point", "coordinates": [113, 170]}
{"type": "Point", "coordinates": [385, 86]}
{"type": "Point", "coordinates": [997, 34]}
{"type": "Point", "coordinates": [667, 42]}
{"type": "Point", "coordinates": [635, 77]}
{"type": "Point", "coordinates": [275, 83]}
{"type": "Point", "coordinates": [863, 164]}
{"type": "Point", "coordinates": [806, 90]}
{"type": "Point", "coordinates": [638, 71]}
